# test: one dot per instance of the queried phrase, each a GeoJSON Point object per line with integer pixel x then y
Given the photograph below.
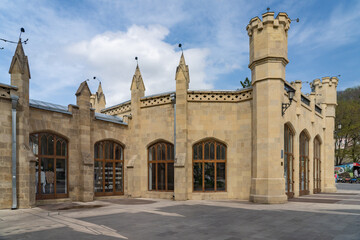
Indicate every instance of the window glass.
{"type": "Point", "coordinates": [170, 175]}
{"type": "Point", "coordinates": [197, 172]}
{"type": "Point", "coordinates": [50, 142]}
{"type": "Point", "coordinates": [209, 170]}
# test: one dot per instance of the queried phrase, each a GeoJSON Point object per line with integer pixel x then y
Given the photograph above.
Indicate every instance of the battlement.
{"type": "Point", "coordinates": [281, 19]}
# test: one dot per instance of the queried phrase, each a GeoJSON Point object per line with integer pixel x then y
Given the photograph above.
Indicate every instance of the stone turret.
{"type": "Point", "coordinates": [20, 77]}
{"type": "Point", "coordinates": [181, 159]}
{"type": "Point", "coordinates": [325, 91]}
{"type": "Point", "coordinates": [268, 58]}
{"type": "Point", "coordinates": [97, 100]}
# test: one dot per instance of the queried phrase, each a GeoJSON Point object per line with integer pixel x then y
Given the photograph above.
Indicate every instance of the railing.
{"type": "Point", "coordinates": [318, 109]}
{"type": "Point", "coordinates": [305, 100]}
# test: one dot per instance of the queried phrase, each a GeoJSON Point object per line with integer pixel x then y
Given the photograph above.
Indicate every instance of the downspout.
{"type": "Point", "coordinates": [173, 100]}
{"type": "Point", "coordinates": [14, 102]}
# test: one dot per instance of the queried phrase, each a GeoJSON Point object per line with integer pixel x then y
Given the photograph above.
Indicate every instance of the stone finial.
{"type": "Point", "coordinates": [83, 88]}
{"type": "Point", "coordinates": [137, 81]}
{"type": "Point", "coordinates": [182, 70]}
{"type": "Point", "coordinates": [19, 62]}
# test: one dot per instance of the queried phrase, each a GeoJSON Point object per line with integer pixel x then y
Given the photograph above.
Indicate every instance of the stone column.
{"type": "Point", "coordinates": [86, 147]}
{"type": "Point", "coordinates": [182, 160]}
{"type": "Point", "coordinates": [268, 58]}
{"type": "Point", "coordinates": [137, 165]}
{"type": "Point", "coordinates": [329, 94]}
{"type": "Point", "coordinates": [20, 76]}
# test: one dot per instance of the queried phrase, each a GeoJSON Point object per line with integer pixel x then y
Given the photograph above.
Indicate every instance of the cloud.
{"type": "Point", "coordinates": [110, 57]}
{"type": "Point", "coordinates": [337, 29]}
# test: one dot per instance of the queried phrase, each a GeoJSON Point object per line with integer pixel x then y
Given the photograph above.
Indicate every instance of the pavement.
{"type": "Point", "coordinates": [319, 216]}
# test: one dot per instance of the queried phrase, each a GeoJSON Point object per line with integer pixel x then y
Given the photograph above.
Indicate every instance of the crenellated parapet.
{"type": "Point", "coordinates": [268, 21]}
{"type": "Point", "coordinates": [325, 90]}
{"type": "Point", "coordinates": [268, 46]}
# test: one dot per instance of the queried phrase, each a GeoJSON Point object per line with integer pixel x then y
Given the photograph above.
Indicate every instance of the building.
{"type": "Point", "coordinates": [245, 144]}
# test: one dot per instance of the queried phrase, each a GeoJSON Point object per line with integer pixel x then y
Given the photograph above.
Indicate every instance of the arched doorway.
{"type": "Point", "coordinates": [108, 168]}
{"type": "Point", "coordinates": [317, 165]}
{"type": "Point", "coordinates": [51, 179]}
{"type": "Point", "coordinates": [304, 164]}
{"type": "Point", "coordinates": [289, 161]}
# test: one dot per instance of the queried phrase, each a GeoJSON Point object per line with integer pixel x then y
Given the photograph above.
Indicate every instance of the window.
{"type": "Point", "coordinates": [317, 166]}
{"type": "Point", "coordinates": [51, 167]}
{"type": "Point", "coordinates": [304, 164]}
{"type": "Point", "coordinates": [161, 167]}
{"type": "Point", "coordinates": [209, 166]}
{"type": "Point", "coordinates": [288, 161]}
{"type": "Point", "coordinates": [108, 168]}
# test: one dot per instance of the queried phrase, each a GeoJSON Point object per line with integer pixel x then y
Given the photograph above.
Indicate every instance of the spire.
{"type": "Point", "coordinates": [182, 60]}
{"type": "Point", "coordinates": [182, 71]}
{"type": "Point", "coordinates": [137, 81]}
{"type": "Point", "coordinates": [100, 88]}
{"type": "Point", "coordinates": [83, 88]}
{"type": "Point", "coordinates": [19, 62]}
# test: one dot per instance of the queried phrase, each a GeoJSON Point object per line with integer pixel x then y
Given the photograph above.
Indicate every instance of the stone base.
{"type": "Point", "coordinates": [330, 189]}
{"type": "Point", "coordinates": [268, 190]}
{"type": "Point", "coordinates": [268, 199]}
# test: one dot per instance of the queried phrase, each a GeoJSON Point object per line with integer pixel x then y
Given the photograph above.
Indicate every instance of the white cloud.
{"type": "Point", "coordinates": [110, 56]}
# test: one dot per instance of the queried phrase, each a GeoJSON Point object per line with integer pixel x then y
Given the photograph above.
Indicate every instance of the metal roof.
{"type": "Point", "coordinates": [49, 106]}
{"type": "Point", "coordinates": [109, 118]}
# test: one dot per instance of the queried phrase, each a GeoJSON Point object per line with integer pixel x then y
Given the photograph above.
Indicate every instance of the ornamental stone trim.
{"type": "Point", "coordinates": [219, 96]}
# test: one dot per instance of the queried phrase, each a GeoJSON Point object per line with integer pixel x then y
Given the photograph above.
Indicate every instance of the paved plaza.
{"type": "Point", "coordinates": [320, 216]}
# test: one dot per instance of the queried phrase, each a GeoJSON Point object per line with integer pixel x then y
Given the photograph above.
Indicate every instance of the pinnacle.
{"type": "Point", "coordinates": [99, 88]}
{"type": "Point", "coordinates": [182, 59]}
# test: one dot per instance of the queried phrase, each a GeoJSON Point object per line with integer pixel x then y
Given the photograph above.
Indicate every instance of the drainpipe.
{"type": "Point", "coordinates": [173, 100]}
{"type": "Point", "coordinates": [14, 102]}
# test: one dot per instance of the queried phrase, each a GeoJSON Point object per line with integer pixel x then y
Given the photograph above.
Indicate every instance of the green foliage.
{"type": "Point", "coordinates": [347, 144]}
{"type": "Point", "coordinates": [246, 83]}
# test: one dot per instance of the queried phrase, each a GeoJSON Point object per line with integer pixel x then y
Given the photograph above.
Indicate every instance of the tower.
{"type": "Point", "coordinates": [325, 92]}
{"type": "Point", "coordinates": [268, 59]}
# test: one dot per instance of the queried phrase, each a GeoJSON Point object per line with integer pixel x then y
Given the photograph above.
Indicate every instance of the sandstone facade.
{"type": "Point", "coordinates": [238, 134]}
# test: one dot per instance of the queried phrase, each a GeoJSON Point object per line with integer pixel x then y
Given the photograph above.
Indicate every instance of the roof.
{"type": "Point", "coordinates": [109, 118]}
{"type": "Point", "coordinates": [8, 86]}
{"type": "Point", "coordinates": [49, 106]}
{"type": "Point", "coordinates": [63, 109]}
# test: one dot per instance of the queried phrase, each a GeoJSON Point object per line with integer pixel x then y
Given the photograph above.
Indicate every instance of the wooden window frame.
{"type": "Point", "coordinates": [203, 161]}
{"type": "Point", "coordinates": [54, 156]}
{"type": "Point", "coordinates": [304, 140]}
{"type": "Point", "coordinates": [113, 160]}
{"type": "Point", "coordinates": [290, 158]}
{"type": "Point", "coordinates": [317, 166]}
{"type": "Point", "coordinates": [156, 161]}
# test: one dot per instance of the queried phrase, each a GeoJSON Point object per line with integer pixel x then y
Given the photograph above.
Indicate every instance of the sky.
{"type": "Point", "coordinates": [71, 41]}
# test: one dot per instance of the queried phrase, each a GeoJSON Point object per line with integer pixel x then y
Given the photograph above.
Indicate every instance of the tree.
{"type": "Point", "coordinates": [347, 144]}
{"type": "Point", "coordinates": [246, 83]}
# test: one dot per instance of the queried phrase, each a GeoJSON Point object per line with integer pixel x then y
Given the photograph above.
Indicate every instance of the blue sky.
{"type": "Point", "coordinates": [70, 41]}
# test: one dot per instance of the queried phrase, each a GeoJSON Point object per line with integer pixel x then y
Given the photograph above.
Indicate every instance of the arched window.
{"type": "Point", "coordinates": [317, 166]}
{"type": "Point", "coordinates": [108, 168]}
{"type": "Point", "coordinates": [209, 166]}
{"type": "Point", "coordinates": [288, 161]}
{"type": "Point", "coordinates": [161, 167]}
{"type": "Point", "coordinates": [52, 165]}
{"type": "Point", "coordinates": [304, 164]}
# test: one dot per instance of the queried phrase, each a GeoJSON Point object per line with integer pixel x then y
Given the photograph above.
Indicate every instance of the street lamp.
{"type": "Point", "coordinates": [291, 94]}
